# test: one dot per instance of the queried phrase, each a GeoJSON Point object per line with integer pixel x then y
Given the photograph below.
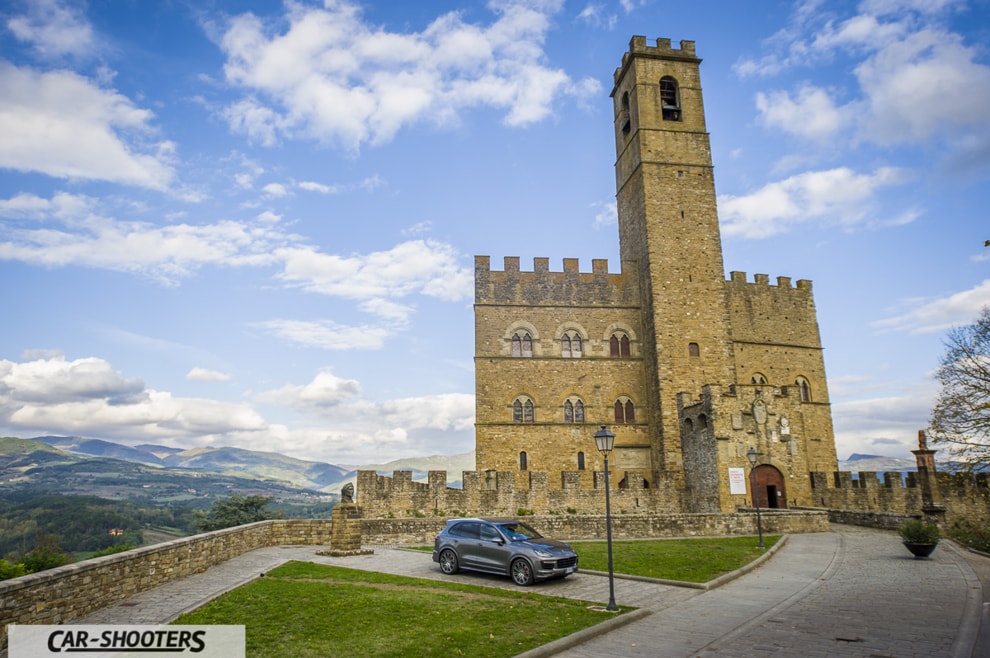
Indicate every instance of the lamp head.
{"type": "Point", "coordinates": [752, 456]}
{"type": "Point", "coordinates": [604, 441]}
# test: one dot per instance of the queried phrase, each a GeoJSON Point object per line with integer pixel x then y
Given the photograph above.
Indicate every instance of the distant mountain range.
{"type": "Point", "coordinates": [94, 466]}
{"type": "Point", "coordinates": [857, 462]}
{"type": "Point", "coordinates": [109, 469]}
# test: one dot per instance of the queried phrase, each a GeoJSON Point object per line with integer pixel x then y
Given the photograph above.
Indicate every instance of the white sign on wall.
{"type": "Point", "coordinates": [737, 481]}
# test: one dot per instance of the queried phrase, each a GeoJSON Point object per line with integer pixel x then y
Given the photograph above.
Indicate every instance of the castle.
{"type": "Point", "coordinates": [688, 369]}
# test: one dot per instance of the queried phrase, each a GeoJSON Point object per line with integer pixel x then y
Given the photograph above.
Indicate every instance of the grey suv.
{"type": "Point", "coordinates": [504, 547]}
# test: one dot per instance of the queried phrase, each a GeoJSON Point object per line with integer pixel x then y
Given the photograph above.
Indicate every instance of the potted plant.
{"type": "Point", "coordinates": [920, 537]}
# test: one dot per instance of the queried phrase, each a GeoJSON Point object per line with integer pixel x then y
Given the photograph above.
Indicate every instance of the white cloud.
{"type": "Point", "coordinates": [311, 186]}
{"type": "Point", "coordinates": [61, 125]}
{"type": "Point", "coordinates": [332, 77]}
{"type": "Point", "coordinates": [167, 253]}
{"type": "Point", "coordinates": [811, 115]}
{"type": "Point", "coordinates": [961, 308]}
{"type": "Point", "coordinates": [54, 29]}
{"type": "Point", "coordinates": [325, 390]}
{"type": "Point", "coordinates": [328, 335]}
{"type": "Point", "coordinates": [606, 214]}
{"type": "Point", "coordinates": [891, 423]}
{"type": "Point", "coordinates": [425, 266]}
{"type": "Point", "coordinates": [275, 190]}
{"type": "Point", "coordinates": [925, 85]}
{"type": "Point", "coordinates": [205, 375]}
{"type": "Point", "coordinates": [918, 82]}
{"type": "Point", "coordinates": [87, 396]}
{"type": "Point", "coordinates": [836, 196]}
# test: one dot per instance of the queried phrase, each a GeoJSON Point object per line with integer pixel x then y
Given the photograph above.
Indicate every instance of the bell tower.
{"type": "Point", "coordinates": [668, 224]}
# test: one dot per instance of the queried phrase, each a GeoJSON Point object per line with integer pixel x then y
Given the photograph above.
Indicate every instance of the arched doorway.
{"type": "Point", "coordinates": [770, 487]}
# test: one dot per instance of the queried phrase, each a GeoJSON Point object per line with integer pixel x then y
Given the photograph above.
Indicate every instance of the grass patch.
{"type": "Point", "coordinates": [305, 610]}
{"type": "Point", "coordinates": [689, 560]}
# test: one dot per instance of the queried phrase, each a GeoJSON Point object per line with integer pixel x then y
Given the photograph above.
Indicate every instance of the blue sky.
{"type": "Point", "coordinates": [253, 223]}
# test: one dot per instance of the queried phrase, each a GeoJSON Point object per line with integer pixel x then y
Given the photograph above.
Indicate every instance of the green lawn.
{"type": "Point", "coordinates": [305, 610]}
{"type": "Point", "coordinates": [689, 560]}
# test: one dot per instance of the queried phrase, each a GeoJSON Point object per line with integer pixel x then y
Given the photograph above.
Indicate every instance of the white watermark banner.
{"type": "Point", "coordinates": [25, 641]}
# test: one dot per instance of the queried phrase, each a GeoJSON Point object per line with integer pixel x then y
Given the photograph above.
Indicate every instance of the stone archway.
{"type": "Point", "coordinates": [770, 487]}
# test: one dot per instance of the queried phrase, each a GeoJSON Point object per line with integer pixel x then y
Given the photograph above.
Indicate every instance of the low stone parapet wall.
{"type": "Point", "coordinates": [59, 595]}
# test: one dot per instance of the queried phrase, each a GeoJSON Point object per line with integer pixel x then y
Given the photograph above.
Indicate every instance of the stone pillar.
{"type": "Point", "coordinates": [931, 504]}
{"type": "Point", "coordinates": [345, 535]}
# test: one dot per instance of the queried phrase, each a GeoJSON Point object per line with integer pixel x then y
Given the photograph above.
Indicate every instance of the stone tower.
{"type": "Point", "coordinates": [690, 369]}
{"type": "Point", "coordinates": [668, 224]}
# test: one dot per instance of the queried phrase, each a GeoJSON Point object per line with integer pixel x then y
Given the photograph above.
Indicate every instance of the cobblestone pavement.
{"type": "Point", "coordinates": [849, 592]}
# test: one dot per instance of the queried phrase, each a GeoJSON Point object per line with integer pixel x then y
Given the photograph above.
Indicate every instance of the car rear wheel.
{"type": "Point", "coordinates": [522, 573]}
{"type": "Point", "coordinates": [448, 561]}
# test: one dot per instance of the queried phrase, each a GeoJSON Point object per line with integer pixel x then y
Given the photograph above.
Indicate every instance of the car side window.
{"type": "Point", "coordinates": [465, 530]}
{"type": "Point", "coordinates": [488, 533]}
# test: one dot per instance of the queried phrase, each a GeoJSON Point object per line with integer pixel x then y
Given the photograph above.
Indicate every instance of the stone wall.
{"type": "Point", "coordinates": [59, 595]}
{"type": "Point", "coordinates": [624, 526]}
{"type": "Point", "coordinates": [511, 493]}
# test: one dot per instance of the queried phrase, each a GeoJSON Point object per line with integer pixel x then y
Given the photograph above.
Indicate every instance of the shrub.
{"type": "Point", "coordinates": [971, 534]}
{"type": "Point", "coordinates": [916, 531]}
{"type": "Point", "coordinates": [110, 550]}
{"type": "Point", "coordinates": [11, 570]}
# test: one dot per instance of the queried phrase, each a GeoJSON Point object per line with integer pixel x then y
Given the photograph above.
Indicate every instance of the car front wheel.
{"type": "Point", "coordinates": [522, 573]}
{"type": "Point", "coordinates": [448, 561]}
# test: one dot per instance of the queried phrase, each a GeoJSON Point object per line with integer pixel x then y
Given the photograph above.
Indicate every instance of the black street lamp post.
{"type": "Point", "coordinates": [605, 441]}
{"type": "Point", "coordinates": [753, 457]}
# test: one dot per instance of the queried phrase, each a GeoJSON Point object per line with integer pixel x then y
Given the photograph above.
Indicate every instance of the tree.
{"type": "Point", "coordinates": [961, 416]}
{"type": "Point", "coordinates": [46, 554]}
{"type": "Point", "coordinates": [236, 510]}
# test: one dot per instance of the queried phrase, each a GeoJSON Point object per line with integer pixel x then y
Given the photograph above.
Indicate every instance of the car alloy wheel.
{"type": "Point", "coordinates": [522, 573]}
{"type": "Point", "coordinates": [448, 561]}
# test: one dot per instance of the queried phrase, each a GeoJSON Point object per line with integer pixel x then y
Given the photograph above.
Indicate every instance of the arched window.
{"type": "Point", "coordinates": [625, 410]}
{"type": "Point", "coordinates": [758, 378]}
{"type": "Point", "coordinates": [580, 461]}
{"type": "Point", "coordinates": [804, 387]}
{"type": "Point", "coordinates": [573, 411]}
{"type": "Point", "coordinates": [670, 99]}
{"type": "Point", "coordinates": [522, 344]}
{"type": "Point", "coordinates": [523, 465]}
{"type": "Point", "coordinates": [618, 345]}
{"type": "Point", "coordinates": [570, 345]}
{"type": "Point", "coordinates": [693, 349]}
{"type": "Point", "coordinates": [522, 410]}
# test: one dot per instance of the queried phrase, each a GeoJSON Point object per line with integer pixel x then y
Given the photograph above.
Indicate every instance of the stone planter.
{"type": "Point", "coordinates": [920, 551]}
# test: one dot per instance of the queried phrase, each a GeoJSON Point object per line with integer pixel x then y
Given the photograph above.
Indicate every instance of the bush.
{"type": "Point", "coordinates": [971, 534]}
{"type": "Point", "coordinates": [11, 570]}
{"type": "Point", "coordinates": [110, 550]}
{"type": "Point", "coordinates": [917, 531]}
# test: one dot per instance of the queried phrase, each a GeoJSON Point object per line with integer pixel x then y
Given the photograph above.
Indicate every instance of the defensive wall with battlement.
{"type": "Point", "coordinates": [868, 498]}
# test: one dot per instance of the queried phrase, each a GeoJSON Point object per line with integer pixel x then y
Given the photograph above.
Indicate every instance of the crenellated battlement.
{"type": "Point", "coordinates": [639, 47]}
{"type": "Point", "coordinates": [543, 286]}
{"type": "Point", "coordinates": [764, 280]}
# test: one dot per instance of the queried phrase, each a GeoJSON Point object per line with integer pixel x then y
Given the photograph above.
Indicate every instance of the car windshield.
{"type": "Point", "coordinates": [517, 531]}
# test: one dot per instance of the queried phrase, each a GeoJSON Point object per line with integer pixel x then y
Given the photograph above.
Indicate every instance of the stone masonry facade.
{"type": "Point", "coordinates": [689, 369]}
